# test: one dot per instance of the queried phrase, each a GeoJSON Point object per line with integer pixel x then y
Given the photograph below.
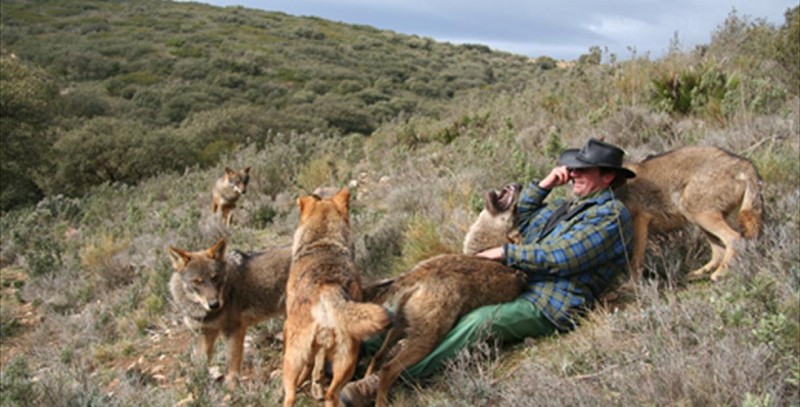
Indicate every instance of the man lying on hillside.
{"type": "Point", "coordinates": [572, 251]}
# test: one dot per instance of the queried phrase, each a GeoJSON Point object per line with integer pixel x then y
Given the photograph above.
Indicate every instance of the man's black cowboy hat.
{"type": "Point", "coordinates": [596, 153]}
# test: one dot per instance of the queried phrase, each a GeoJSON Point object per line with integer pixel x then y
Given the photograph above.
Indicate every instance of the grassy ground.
{"type": "Point", "coordinates": [86, 317]}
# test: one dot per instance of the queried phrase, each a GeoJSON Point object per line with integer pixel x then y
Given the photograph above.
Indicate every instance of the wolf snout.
{"type": "Point", "coordinates": [213, 305]}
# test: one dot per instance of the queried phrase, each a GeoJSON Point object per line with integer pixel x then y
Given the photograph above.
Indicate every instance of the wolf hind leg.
{"type": "Point", "coordinates": [343, 365]}
{"type": "Point", "coordinates": [391, 338]}
{"type": "Point", "coordinates": [717, 253]}
{"type": "Point", "coordinates": [294, 366]}
{"type": "Point", "coordinates": [714, 223]}
{"type": "Point", "coordinates": [406, 354]}
{"type": "Point", "coordinates": [317, 375]}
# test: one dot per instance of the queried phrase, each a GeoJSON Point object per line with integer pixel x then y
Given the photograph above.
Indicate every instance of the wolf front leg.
{"type": "Point", "coordinates": [207, 340]}
{"type": "Point", "coordinates": [235, 345]}
{"type": "Point", "coordinates": [641, 224]}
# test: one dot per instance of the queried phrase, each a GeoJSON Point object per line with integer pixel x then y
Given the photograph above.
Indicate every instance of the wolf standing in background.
{"type": "Point", "coordinates": [227, 191]}
{"type": "Point", "coordinates": [323, 320]}
{"type": "Point", "coordinates": [701, 185]}
{"type": "Point", "coordinates": [218, 296]}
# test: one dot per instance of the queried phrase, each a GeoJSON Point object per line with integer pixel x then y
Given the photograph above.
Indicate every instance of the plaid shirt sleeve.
{"type": "Point", "coordinates": [583, 246]}
{"type": "Point", "coordinates": [533, 212]}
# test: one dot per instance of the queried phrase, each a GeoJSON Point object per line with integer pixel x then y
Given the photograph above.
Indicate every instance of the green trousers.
{"type": "Point", "coordinates": [507, 322]}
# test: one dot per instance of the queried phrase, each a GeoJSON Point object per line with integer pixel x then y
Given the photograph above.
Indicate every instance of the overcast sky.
{"type": "Point", "coordinates": [562, 29]}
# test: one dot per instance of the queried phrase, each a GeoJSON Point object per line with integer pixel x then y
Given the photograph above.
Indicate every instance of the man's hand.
{"type": "Point", "coordinates": [557, 177]}
{"type": "Point", "coordinates": [495, 253]}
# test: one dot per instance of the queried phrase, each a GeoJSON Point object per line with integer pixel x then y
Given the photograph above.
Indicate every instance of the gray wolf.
{"type": "Point", "coordinates": [324, 320]}
{"type": "Point", "coordinates": [227, 190]}
{"type": "Point", "coordinates": [440, 290]}
{"type": "Point", "coordinates": [226, 296]}
{"type": "Point", "coordinates": [699, 185]}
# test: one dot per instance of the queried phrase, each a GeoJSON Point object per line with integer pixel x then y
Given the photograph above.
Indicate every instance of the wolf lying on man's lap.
{"type": "Point", "coordinates": [219, 295]}
{"type": "Point", "coordinates": [227, 190]}
{"type": "Point", "coordinates": [442, 289]}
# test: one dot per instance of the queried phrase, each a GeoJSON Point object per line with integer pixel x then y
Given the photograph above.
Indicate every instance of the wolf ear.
{"type": "Point", "coordinates": [342, 201]}
{"type": "Point", "coordinates": [305, 203]}
{"type": "Point", "coordinates": [179, 258]}
{"type": "Point", "coordinates": [488, 201]}
{"type": "Point", "coordinates": [229, 171]}
{"type": "Point", "coordinates": [217, 251]}
{"type": "Point", "coordinates": [247, 170]}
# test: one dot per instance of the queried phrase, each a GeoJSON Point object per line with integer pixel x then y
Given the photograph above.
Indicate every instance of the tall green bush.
{"type": "Point", "coordinates": [28, 103]}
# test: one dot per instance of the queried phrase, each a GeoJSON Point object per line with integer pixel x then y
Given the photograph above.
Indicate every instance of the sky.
{"type": "Point", "coordinates": [561, 29]}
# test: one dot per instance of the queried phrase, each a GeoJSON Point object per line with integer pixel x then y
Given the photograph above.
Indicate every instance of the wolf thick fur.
{"type": "Point", "coordinates": [227, 190]}
{"type": "Point", "coordinates": [438, 291]}
{"type": "Point", "coordinates": [701, 185]}
{"type": "Point", "coordinates": [218, 296]}
{"type": "Point", "coordinates": [324, 321]}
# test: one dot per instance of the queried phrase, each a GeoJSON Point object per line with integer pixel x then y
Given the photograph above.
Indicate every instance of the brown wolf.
{"type": "Point", "coordinates": [702, 185]}
{"type": "Point", "coordinates": [227, 190]}
{"type": "Point", "coordinates": [324, 321]}
{"type": "Point", "coordinates": [219, 296]}
{"type": "Point", "coordinates": [440, 290]}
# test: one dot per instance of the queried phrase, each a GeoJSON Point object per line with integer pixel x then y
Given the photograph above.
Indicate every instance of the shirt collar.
{"type": "Point", "coordinates": [599, 196]}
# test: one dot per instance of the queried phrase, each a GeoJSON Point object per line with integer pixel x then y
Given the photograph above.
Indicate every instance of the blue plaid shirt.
{"type": "Point", "coordinates": [570, 266]}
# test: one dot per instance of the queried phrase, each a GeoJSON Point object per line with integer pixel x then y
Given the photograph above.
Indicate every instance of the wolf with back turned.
{"type": "Point", "coordinates": [227, 295]}
{"type": "Point", "coordinates": [324, 319]}
{"type": "Point", "coordinates": [699, 185]}
{"type": "Point", "coordinates": [227, 190]}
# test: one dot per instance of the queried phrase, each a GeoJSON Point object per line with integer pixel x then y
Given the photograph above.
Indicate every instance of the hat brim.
{"type": "Point", "coordinates": [570, 159]}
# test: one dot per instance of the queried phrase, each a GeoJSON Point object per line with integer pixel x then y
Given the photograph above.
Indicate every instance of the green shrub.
{"type": "Point", "coordinates": [421, 240]}
{"type": "Point", "coordinates": [85, 105]}
{"type": "Point", "coordinates": [15, 380]}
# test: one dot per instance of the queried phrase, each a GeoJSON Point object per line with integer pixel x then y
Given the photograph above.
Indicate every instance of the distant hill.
{"type": "Point", "coordinates": [183, 83]}
{"type": "Point", "coordinates": [160, 61]}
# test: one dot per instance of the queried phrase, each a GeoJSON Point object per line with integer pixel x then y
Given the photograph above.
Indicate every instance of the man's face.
{"type": "Point", "coordinates": [588, 180]}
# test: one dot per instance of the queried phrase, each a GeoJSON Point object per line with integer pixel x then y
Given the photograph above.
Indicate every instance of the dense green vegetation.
{"type": "Point", "coordinates": [188, 82]}
{"type": "Point", "coordinates": [116, 118]}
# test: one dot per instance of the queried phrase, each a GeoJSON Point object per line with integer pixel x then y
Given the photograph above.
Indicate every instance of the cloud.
{"type": "Point", "coordinates": [562, 29]}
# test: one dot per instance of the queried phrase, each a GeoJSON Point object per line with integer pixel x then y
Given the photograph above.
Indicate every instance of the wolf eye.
{"type": "Point", "coordinates": [197, 281]}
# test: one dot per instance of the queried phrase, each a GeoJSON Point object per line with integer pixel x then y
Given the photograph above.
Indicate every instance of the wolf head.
{"type": "Point", "coordinates": [497, 223]}
{"type": "Point", "coordinates": [199, 277]}
{"type": "Point", "coordinates": [237, 180]}
{"type": "Point", "coordinates": [324, 219]}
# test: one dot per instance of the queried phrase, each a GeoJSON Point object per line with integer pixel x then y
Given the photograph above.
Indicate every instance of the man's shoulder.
{"type": "Point", "coordinates": [608, 205]}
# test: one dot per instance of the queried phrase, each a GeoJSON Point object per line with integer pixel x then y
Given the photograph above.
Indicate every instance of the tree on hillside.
{"type": "Point", "coordinates": [111, 150]}
{"type": "Point", "coordinates": [27, 106]}
{"type": "Point", "coordinates": [788, 48]}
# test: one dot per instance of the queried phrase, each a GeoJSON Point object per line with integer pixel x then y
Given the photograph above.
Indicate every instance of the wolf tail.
{"type": "Point", "coordinates": [750, 212]}
{"type": "Point", "coordinates": [359, 319]}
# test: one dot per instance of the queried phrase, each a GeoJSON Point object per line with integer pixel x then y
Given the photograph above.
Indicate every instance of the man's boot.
{"type": "Point", "coordinates": [361, 392]}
